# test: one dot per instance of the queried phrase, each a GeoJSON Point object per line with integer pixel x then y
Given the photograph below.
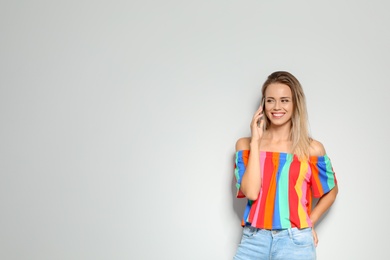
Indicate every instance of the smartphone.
{"type": "Point", "coordinates": [262, 118]}
{"type": "Point", "coordinates": [262, 103]}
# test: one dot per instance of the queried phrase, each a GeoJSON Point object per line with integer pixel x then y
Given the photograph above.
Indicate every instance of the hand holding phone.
{"type": "Point", "coordinates": [261, 109]}
{"type": "Point", "coordinates": [257, 124]}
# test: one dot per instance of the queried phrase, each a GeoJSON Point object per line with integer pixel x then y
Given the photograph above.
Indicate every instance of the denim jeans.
{"type": "Point", "coordinates": [286, 244]}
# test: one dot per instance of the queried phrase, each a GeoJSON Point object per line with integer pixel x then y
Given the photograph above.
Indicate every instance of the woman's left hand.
{"type": "Point", "coordinates": [315, 237]}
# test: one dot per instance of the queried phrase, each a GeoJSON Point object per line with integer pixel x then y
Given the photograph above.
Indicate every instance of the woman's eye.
{"type": "Point", "coordinates": [270, 101]}
{"type": "Point", "coordinates": [285, 100]}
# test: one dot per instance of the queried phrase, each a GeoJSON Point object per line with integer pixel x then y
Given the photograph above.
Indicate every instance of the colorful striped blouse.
{"type": "Point", "coordinates": [288, 185]}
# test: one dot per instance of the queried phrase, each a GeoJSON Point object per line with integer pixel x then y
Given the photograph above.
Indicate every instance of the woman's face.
{"type": "Point", "coordinates": [278, 104]}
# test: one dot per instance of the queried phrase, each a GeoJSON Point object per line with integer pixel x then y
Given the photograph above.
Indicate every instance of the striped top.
{"type": "Point", "coordinates": [288, 185]}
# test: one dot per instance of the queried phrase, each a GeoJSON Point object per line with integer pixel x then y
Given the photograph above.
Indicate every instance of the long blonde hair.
{"type": "Point", "coordinates": [299, 132]}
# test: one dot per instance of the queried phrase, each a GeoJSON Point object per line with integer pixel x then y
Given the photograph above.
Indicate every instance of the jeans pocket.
{"type": "Point", "coordinates": [248, 232]}
{"type": "Point", "coordinates": [303, 238]}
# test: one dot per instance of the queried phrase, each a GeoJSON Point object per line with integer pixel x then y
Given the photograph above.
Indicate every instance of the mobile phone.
{"type": "Point", "coordinates": [262, 117]}
{"type": "Point", "coordinates": [262, 103]}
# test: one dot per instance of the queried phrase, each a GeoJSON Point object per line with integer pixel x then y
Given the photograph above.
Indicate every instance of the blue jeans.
{"type": "Point", "coordinates": [286, 244]}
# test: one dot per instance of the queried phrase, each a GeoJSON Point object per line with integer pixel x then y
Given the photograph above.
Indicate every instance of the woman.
{"type": "Point", "coordinates": [278, 169]}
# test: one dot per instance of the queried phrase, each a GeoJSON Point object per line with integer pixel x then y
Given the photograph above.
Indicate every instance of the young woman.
{"type": "Point", "coordinates": [279, 169]}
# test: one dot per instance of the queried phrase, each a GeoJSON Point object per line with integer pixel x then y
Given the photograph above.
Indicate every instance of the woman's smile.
{"type": "Point", "coordinates": [277, 115]}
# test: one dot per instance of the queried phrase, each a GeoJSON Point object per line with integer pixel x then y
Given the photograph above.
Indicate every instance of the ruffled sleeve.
{"type": "Point", "coordinates": [323, 178]}
{"type": "Point", "coordinates": [239, 168]}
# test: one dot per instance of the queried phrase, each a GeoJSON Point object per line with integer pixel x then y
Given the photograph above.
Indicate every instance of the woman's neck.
{"type": "Point", "coordinates": [278, 133]}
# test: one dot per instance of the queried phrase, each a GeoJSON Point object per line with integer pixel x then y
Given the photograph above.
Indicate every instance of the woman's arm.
{"type": "Point", "coordinates": [326, 201]}
{"type": "Point", "coordinates": [323, 205]}
{"type": "Point", "coordinates": [251, 180]}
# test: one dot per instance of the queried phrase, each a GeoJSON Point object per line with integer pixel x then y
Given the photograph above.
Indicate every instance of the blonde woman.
{"type": "Point", "coordinates": [279, 169]}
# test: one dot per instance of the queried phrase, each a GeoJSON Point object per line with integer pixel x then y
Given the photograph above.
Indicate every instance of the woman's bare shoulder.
{"type": "Point", "coordinates": [316, 148]}
{"type": "Point", "coordinates": [243, 143]}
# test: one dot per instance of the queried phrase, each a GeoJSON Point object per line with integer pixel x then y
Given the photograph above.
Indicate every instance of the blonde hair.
{"type": "Point", "coordinates": [299, 132]}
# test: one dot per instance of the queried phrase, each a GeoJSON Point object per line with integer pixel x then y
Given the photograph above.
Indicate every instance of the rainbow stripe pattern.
{"type": "Point", "coordinates": [288, 186]}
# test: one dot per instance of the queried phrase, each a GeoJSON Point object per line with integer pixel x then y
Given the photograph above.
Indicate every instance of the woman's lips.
{"type": "Point", "coordinates": [277, 115]}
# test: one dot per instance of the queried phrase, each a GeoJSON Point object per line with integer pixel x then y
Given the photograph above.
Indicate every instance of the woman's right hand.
{"type": "Point", "coordinates": [257, 125]}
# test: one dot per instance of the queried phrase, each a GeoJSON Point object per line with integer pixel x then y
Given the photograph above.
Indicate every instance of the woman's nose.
{"type": "Point", "coordinates": [277, 105]}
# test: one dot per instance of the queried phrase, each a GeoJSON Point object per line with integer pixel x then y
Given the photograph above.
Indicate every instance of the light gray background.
{"type": "Point", "coordinates": [119, 120]}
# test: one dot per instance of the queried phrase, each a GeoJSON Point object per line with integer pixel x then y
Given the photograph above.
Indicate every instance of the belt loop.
{"type": "Point", "coordinates": [290, 233]}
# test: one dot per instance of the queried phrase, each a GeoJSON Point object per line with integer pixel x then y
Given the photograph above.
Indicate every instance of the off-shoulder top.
{"type": "Point", "coordinates": [288, 185]}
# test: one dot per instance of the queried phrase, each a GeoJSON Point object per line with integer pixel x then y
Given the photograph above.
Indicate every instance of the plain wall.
{"type": "Point", "coordinates": [119, 121]}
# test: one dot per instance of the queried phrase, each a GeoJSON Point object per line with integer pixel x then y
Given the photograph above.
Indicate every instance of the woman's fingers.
{"type": "Point", "coordinates": [258, 111]}
{"type": "Point", "coordinates": [260, 122]}
{"type": "Point", "coordinates": [315, 237]}
{"type": "Point", "coordinates": [257, 118]}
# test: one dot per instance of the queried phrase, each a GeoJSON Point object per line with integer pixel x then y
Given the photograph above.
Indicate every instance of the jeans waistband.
{"type": "Point", "coordinates": [279, 232]}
